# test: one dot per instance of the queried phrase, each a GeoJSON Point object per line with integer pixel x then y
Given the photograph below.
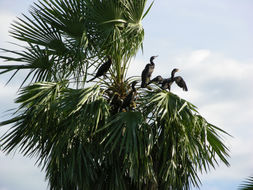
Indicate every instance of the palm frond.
{"type": "Point", "coordinates": [247, 184]}
{"type": "Point", "coordinates": [68, 16]}
{"type": "Point", "coordinates": [185, 140]}
{"type": "Point", "coordinates": [41, 63]}
{"type": "Point", "coordinates": [66, 52]}
{"type": "Point", "coordinates": [127, 137]}
{"type": "Point", "coordinates": [54, 121]}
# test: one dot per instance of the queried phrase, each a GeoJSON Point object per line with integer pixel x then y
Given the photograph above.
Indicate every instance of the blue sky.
{"type": "Point", "coordinates": [211, 42]}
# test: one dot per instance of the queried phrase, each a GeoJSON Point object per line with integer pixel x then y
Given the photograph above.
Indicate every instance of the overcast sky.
{"type": "Point", "coordinates": [211, 42]}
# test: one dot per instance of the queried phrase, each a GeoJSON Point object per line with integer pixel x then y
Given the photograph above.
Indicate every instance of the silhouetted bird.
{"type": "Point", "coordinates": [147, 72]}
{"type": "Point", "coordinates": [131, 96]}
{"type": "Point", "coordinates": [102, 70]}
{"type": "Point", "coordinates": [116, 103]}
{"type": "Point", "coordinates": [168, 82]}
{"type": "Point", "coordinates": [179, 81]}
{"type": "Point", "coordinates": [158, 79]}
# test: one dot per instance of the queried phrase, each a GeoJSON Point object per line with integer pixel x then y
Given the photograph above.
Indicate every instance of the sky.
{"type": "Point", "coordinates": [211, 42]}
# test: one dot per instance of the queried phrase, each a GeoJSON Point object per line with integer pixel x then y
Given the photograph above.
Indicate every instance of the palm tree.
{"type": "Point", "coordinates": [79, 133]}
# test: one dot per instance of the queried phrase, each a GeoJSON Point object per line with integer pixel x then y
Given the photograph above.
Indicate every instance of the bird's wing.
{"type": "Point", "coordinates": [144, 76]}
{"type": "Point", "coordinates": [157, 79]}
{"type": "Point", "coordinates": [104, 68]}
{"type": "Point", "coordinates": [181, 83]}
{"type": "Point", "coordinates": [160, 79]}
{"type": "Point", "coordinates": [128, 99]}
{"type": "Point", "coordinates": [165, 84]}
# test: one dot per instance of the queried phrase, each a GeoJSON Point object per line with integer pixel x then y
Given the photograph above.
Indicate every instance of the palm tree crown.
{"type": "Point", "coordinates": [85, 136]}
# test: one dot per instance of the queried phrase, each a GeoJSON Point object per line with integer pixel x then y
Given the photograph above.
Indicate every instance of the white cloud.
{"type": "Point", "coordinates": [196, 56]}
{"type": "Point", "coordinates": [22, 171]}
{"type": "Point", "coordinates": [7, 90]}
{"type": "Point", "coordinates": [5, 19]}
{"type": "Point", "coordinates": [7, 97]}
{"type": "Point", "coordinates": [3, 188]}
{"type": "Point", "coordinates": [206, 65]}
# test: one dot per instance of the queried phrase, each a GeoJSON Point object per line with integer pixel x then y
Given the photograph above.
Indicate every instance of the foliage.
{"type": "Point", "coordinates": [247, 184]}
{"type": "Point", "coordinates": [79, 133]}
{"type": "Point", "coordinates": [65, 38]}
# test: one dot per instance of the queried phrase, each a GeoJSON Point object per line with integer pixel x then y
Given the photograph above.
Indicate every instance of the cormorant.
{"type": "Point", "coordinates": [102, 70]}
{"type": "Point", "coordinates": [168, 82]}
{"type": "Point", "coordinates": [158, 79]}
{"type": "Point", "coordinates": [179, 81]}
{"type": "Point", "coordinates": [116, 103]}
{"type": "Point", "coordinates": [131, 96]}
{"type": "Point", "coordinates": [147, 72]}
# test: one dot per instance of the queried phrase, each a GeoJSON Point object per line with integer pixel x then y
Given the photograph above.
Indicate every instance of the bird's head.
{"type": "Point", "coordinates": [153, 57]}
{"type": "Point", "coordinates": [109, 57]}
{"type": "Point", "coordinates": [159, 77]}
{"type": "Point", "coordinates": [175, 70]}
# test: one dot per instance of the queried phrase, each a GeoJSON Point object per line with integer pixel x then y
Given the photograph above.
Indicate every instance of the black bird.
{"type": "Point", "coordinates": [116, 103]}
{"type": "Point", "coordinates": [179, 81]}
{"type": "Point", "coordinates": [168, 82]}
{"type": "Point", "coordinates": [102, 70]}
{"type": "Point", "coordinates": [158, 79]}
{"type": "Point", "coordinates": [147, 72]}
{"type": "Point", "coordinates": [131, 96]}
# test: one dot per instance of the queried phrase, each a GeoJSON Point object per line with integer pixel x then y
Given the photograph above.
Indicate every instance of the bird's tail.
{"type": "Point", "coordinates": [143, 85]}
{"type": "Point", "coordinates": [91, 79]}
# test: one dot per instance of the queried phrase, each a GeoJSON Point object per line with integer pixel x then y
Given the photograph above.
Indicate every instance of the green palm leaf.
{"type": "Point", "coordinates": [68, 16]}
{"type": "Point", "coordinates": [247, 184]}
{"type": "Point", "coordinates": [39, 61]}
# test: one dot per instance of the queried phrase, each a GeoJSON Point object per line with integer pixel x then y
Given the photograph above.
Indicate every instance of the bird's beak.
{"type": "Point", "coordinates": [177, 70]}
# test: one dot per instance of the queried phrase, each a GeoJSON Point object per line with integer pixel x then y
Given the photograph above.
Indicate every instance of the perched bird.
{"type": "Point", "coordinates": [158, 79]}
{"type": "Point", "coordinates": [168, 82]}
{"type": "Point", "coordinates": [116, 103]}
{"type": "Point", "coordinates": [102, 70]}
{"type": "Point", "coordinates": [131, 96]}
{"type": "Point", "coordinates": [147, 72]}
{"type": "Point", "coordinates": [179, 81]}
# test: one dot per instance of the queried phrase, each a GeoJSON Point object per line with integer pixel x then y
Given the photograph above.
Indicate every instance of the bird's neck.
{"type": "Point", "coordinates": [152, 63]}
{"type": "Point", "coordinates": [172, 75]}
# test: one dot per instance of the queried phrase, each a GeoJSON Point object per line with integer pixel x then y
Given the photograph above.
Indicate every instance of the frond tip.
{"type": "Point", "coordinates": [247, 184]}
